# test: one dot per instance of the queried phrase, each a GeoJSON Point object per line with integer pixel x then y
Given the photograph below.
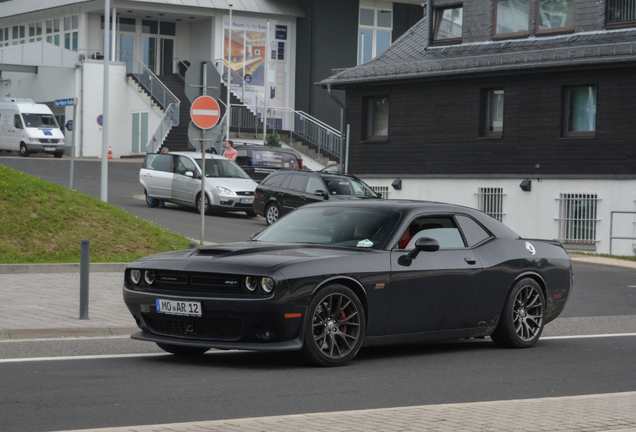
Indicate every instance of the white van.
{"type": "Point", "coordinates": [27, 127]}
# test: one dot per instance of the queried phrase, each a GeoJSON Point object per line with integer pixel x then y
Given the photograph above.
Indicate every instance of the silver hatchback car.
{"type": "Point", "coordinates": [176, 177]}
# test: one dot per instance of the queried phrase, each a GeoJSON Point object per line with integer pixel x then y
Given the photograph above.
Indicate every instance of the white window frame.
{"type": "Point", "coordinates": [377, 7]}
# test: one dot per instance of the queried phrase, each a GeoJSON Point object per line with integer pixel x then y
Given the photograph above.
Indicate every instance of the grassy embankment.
{"type": "Point", "coordinates": [41, 222]}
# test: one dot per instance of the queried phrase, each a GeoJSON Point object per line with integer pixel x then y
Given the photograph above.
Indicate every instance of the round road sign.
{"type": "Point", "coordinates": [205, 112]}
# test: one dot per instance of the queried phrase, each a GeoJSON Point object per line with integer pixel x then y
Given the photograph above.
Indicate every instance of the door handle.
{"type": "Point", "coordinates": [471, 260]}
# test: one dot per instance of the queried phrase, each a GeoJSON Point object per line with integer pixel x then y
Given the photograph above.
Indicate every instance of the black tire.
{"type": "Point", "coordinates": [24, 151]}
{"type": "Point", "coordinates": [272, 213]}
{"type": "Point", "coordinates": [58, 154]}
{"type": "Point", "coordinates": [250, 213]}
{"type": "Point", "coordinates": [522, 318]}
{"type": "Point", "coordinates": [208, 208]}
{"type": "Point", "coordinates": [334, 326]}
{"type": "Point", "coordinates": [182, 350]}
{"type": "Point", "coordinates": [150, 201]}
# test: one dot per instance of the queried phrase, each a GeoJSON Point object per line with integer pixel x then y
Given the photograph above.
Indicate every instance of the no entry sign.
{"type": "Point", "coordinates": [205, 112]}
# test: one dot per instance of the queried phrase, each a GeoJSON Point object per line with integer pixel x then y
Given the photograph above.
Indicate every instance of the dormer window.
{"type": "Point", "coordinates": [448, 24]}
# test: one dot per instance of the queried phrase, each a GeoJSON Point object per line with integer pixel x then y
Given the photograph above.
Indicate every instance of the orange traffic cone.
{"type": "Point", "coordinates": [110, 153]}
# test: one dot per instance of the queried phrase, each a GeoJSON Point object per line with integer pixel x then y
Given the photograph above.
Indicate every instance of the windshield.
{"type": "Point", "coordinates": [338, 185]}
{"type": "Point", "coordinates": [222, 168]}
{"type": "Point", "coordinates": [39, 120]}
{"type": "Point", "coordinates": [338, 226]}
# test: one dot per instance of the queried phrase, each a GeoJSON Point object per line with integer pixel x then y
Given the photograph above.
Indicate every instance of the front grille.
{"type": "Point", "coordinates": [49, 141]}
{"type": "Point", "coordinates": [225, 329]}
{"type": "Point", "coordinates": [245, 193]}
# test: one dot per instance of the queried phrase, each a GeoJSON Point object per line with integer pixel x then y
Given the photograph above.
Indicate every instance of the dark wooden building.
{"type": "Point", "coordinates": [498, 92]}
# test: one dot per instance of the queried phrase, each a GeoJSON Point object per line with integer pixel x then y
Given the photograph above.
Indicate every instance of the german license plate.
{"type": "Point", "coordinates": [175, 307]}
{"type": "Point", "coordinates": [246, 200]}
{"type": "Point", "coordinates": [49, 149]}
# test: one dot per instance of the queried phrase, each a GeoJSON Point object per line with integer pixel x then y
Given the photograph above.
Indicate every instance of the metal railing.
{"type": "Point", "coordinates": [250, 116]}
{"type": "Point", "coordinates": [164, 97]}
{"type": "Point", "coordinates": [165, 125]}
{"type": "Point", "coordinates": [612, 237]}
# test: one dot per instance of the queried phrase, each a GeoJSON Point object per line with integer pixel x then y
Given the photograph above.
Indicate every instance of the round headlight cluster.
{"type": "Point", "coordinates": [136, 277]}
{"type": "Point", "coordinates": [266, 284]}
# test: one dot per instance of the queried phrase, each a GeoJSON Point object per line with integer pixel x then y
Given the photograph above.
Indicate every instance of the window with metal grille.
{"type": "Point", "coordinates": [490, 201]}
{"type": "Point", "coordinates": [577, 218]}
{"type": "Point", "coordinates": [621, 12]}
{"type": "Point", "coordinates": [383, 191]}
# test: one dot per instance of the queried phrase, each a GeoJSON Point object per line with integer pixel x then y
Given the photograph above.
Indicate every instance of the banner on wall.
{"type": "Point", "coordinates": [250, 57]}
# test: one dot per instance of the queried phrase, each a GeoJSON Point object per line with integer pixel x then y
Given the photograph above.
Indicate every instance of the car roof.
{"type": "Point", "coordinates": [410, 208]}
{"type": "Point", "coordinates": [238, 146]}
{"type": "Point", "coordinates": [197, 155]}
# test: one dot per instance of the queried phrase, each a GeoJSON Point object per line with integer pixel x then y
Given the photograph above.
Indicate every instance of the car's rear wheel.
{"type": "Point", "coordinates": [206, 204]}
{"type": "Point", "coordinates": [24, 151]}
{"type": "Point", "coordinates": [58, 154]}
{"type": "Point", "coordinates": [522, 319]}
{"type": "Point", "coordinates": [182, 350]}
{"type": "Point", "coordinates": [272, 213]}
{"type": "Point", "coordinates": [334, 326]}
{"type": "Point", "coordinates": [150, 201]}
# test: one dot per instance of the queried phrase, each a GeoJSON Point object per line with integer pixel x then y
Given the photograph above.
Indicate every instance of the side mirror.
{"type": "Point", "coordinates": [189, 174]}
{"type": "Point", "coordinates": [423, 244]}
{"type": "Point", "coordinates": [321, 193]}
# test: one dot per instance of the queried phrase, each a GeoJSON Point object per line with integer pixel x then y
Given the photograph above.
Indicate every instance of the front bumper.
{"type": "Point", "coordinates": [252, 324]}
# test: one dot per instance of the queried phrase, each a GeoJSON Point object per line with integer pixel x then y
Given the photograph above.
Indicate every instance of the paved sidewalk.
{"type": "Point", "coordinates": [614, 412]}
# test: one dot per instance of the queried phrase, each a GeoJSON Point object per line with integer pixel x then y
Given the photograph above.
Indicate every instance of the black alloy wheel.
{"type": "Point", "coordinates": [522, 320]}
{"type": "Point", "coordinates": [334, 326]}
{"type": "Point", "coordinates": [272, 213]}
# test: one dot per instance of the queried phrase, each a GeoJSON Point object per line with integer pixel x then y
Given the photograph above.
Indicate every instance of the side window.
{"type": "Point", "coordinates": [275, 180]}
{"type": "Point", "coordinates": [298, 182]}
{"type": "Point", "coordinates": [184, 165]}
{"type": "Point", "coordinates": [160, 162]}
{"type": "Point", "coordinates": [17, 123]}
{"type": "Point", "coordinates": [313, 185]}
{"type": "Point", "coordinates": [473, 232]}
{"type": "Point", "coordinates": [242, 158]}
{"type": "Point", "coordinates": [440, 228]}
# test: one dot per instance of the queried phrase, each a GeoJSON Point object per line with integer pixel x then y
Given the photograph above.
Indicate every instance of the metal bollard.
{"type": "Point", "coordinates": [84, 271]}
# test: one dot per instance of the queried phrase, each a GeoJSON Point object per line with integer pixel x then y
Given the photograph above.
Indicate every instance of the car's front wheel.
{"type": "Point", "coordinates": [522, 319]}
{"type": "Point", "coordinates": [272, 213]}
{"type": "Point", "coordinates": [182, 350]}
{"type": "Point", "coordinates": [206, 205]}
{"type": "Point", "coordinates": [334, 326]}
{"type": "Point", "coordinates": [24, 151]}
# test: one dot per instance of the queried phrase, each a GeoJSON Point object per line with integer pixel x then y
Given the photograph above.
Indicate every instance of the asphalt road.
{"type": "Point", "coordinates": [52, 385]}
{"type": "Point", "coordinates": [125, 192]}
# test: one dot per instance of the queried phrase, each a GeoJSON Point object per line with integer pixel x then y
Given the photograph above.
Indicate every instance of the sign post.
{"type": "Point", "coordinates": [69, 126]}
{"type": "Point", "coordinates": [205, 113]}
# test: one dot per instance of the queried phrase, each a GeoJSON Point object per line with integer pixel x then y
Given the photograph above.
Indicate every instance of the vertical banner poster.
{"type": "Point", "coordinates": [250, 57]}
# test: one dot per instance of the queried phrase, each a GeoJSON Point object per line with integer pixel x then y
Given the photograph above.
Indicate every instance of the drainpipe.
{"type": "Point", "coordinates": [342, 133]}
{"type": "Point", "coordinates": [428, 23]}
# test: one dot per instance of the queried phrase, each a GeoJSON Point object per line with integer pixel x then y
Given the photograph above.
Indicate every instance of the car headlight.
{"type": "Point", "coordinates": [149, 277]}
{"type": "Point", "coordinates": [267, 284]}
{"type": "Point", "coordinates": [251, 283]}
{"type": "Point", "coordinates": [225, 191]}
{"type": "Point", "coordinates": [135, 276]}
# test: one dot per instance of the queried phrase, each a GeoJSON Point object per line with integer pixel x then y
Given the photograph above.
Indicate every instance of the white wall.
{"type": "Point", "coordinates": [535, 214]}
{"type": "Point", "coordinates": [123, 101]}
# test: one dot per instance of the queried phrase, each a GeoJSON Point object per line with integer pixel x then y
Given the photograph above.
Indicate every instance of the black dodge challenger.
{"type": "Point", "coordinates": [332, 277]}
